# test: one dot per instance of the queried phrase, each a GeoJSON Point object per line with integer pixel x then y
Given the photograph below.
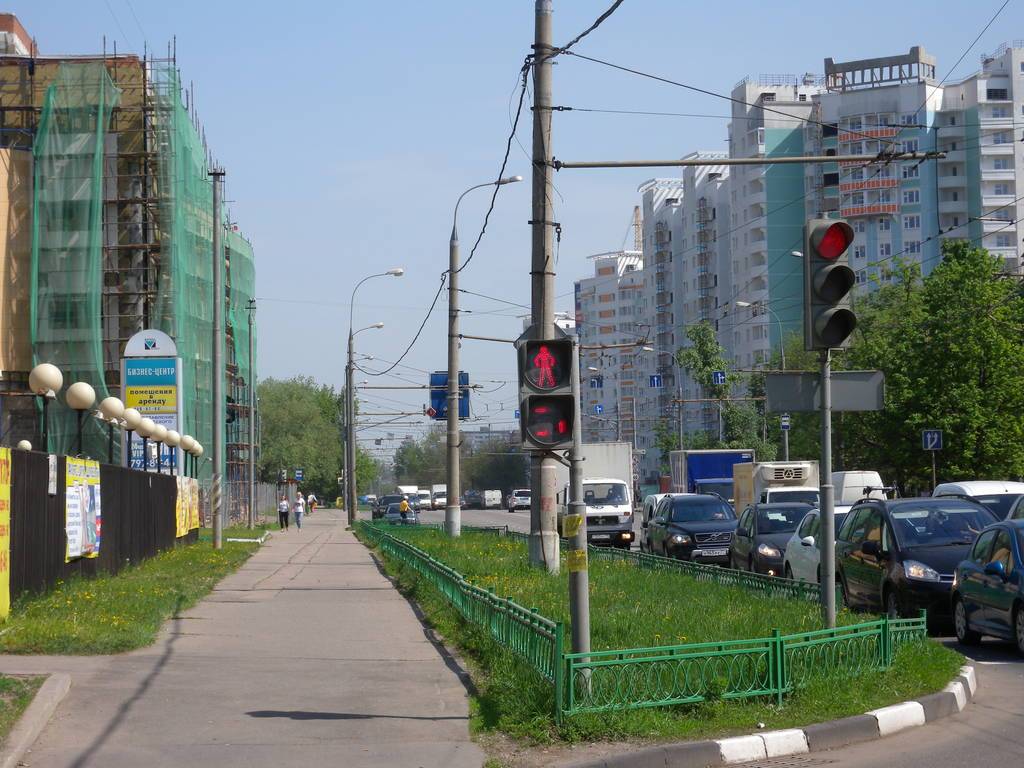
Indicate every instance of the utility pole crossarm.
{"type": "Point", "coordinates": [863, 160]}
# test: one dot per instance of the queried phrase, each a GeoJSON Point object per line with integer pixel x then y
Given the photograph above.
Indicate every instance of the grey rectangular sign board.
{"type": "Point", "coordinates": [851, 391]}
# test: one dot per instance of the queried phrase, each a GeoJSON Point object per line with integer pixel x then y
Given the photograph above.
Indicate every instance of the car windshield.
{"type": "Point", "coordinates": [780, 519]}
{"type": "Point", "coordinates": [939, 522]}
{"type": "Point", "coordinates": [696, 509]}
{"type": "Point", "coordinates": [599, 494]}
{"type": "Point", "coordinates": [802, 496]}
{"type": "Point", "coordinates": [722, 489]}
{"type": "Point", "coordinates": [522, 494]}
{"type": "Point", "coordinates": [391, 500]}
{"type": "Point", "coordinates": [393, 510]}
{"type": "Point", "coordinates": [999, 503]}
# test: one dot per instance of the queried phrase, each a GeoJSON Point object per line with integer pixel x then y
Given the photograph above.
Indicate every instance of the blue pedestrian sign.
{"type": "Point", "coordinates": [784, 422]}
{"type": "Point", "coordinates": [931, 439]}
{"type": "Point", "coordinates": [718, 378]}
{"type": "Point", "coordinates": [517, 413]}
{"type": "Point", "coordinates": [299, 474]}
{"type": "Point", "coordinates": [598, 409]}
{"type": "Point", "coordinates": [656, 381]}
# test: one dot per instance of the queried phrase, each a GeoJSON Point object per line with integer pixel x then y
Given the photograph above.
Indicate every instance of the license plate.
{"type": "Point", "coordinates": [601, 536]}
{"type": "Point", "coordinates": [712, 552]}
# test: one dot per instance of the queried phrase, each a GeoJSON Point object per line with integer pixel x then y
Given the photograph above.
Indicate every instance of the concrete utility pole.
{"type": "Point", "coordinates": [579, 574]}
{"type": "Point", "coordinates": [218, 362]}
{"type": "Point", "coordinates": [252, 416]}
{"type": "Point", "coordinates": [350, 435]}
{"type": "Point", "coordinates": [828, 520]}
{"type": "Point", "coordinates": [543, 472]}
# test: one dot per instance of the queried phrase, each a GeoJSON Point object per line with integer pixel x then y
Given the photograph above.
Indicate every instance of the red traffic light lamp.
{"type": "Point", "coordinates": [829, 320]}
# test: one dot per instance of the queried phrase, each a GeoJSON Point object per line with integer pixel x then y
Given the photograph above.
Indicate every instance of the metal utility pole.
{"type": "Point", "coordinates": [543, 474]}
{"type": "Point", "coordinates": [453, 508]}
{"type": "Point", "coordinates": [252, 416]}
{"type": "Point", "coordinates": [679, 393]}
{"type": "Point", "coordinates": [218, 363]}
{"type": "Point", "coordinates": [579, 574]}
{"type": "Point", "coordinates": [785, 443]}
{"type": "Point", "coordinates": [350, 436]}
{"type": "Point", "coordinates": [828, 520]}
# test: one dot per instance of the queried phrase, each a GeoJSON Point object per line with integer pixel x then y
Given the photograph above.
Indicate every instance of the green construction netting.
{"type": "Point", "coordinates": [67, 239]}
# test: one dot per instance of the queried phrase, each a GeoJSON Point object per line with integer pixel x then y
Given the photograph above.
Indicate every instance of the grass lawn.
{"type": "Point", "coordinates": [633, 608]}
{"type": "Point", "coordinates": [16, 693]}
{"type": "Point", "coordinates": [110, 614]}
{"type": "Point", "coordinates": [238, 531]}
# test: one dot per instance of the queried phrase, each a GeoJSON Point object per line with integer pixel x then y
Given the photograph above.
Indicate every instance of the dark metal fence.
{"type": "Point", "coordinates": [138, 521]}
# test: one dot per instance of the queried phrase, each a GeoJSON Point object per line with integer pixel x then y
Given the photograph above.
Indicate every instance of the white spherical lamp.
{"type": "Point", "coordinates": [159, 433]}
{"type": "Point", "coordinates": [198, 451]}
{"type": "Point", "coordinates": [45, 378]}
{"type": "Point", "coordinates": [25, 445]}
{"type": "Point", "coordinates": [132, 419]}
{"type": "Point", "coordinates": [80, 396]}
{"type": "Point", "coordinates": [111, 408]}
{"type": "Point", "coordinates": [188, 443]}
{"type": "Point", "coordinates": [145, 427]}
{"type": "Point", "coordinates": [173, 438]}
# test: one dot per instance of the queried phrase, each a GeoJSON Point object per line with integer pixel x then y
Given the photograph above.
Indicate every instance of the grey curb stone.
{"type": "Point", "coordinates": [938, 705]}
{"type": "Point", "coordinates": [695, 754]}
{"type": "Point", "coordinates": [27, 729]}
{"type": "Point", "coordinates": [840, 733]}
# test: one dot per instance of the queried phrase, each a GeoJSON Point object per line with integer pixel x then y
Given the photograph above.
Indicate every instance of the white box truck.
{"type": "Point", "coordinates": [438, 496]}
{"type": "Point", "coordinates": [607, 493]}
{"type": "Point", "coordinates": [492, 499]}
{"type": "Point", "coordinates": [775, 481]}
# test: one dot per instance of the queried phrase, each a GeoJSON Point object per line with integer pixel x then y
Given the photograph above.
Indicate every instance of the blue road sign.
{"type": "Point", "coordinates": [598, 409]}
{"type": "Point", "coordinates": [597, 382]}
{"type": "Point", "coordinates": [718, 377]}
{"type": "Point", "coordinates": [299, 475]}
{"type": "Point", "coordinates": [784, 421]}
{"type": "Point", "coordinates": [655, 381]}
{"type": "Point", "coordinates": [439, 395]}
{"type": "Point", "coordinates": [931, 439]}
{"type": "Point", "coordinates": [517, 413]}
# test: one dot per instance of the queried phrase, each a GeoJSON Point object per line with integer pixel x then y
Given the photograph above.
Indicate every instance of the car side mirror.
{"type": "Point", "coordinates": [996, 568]}
{"type": "Point", "coordinates": [807, 541]}
{"type": "Point", "coordinates": [871, 548]}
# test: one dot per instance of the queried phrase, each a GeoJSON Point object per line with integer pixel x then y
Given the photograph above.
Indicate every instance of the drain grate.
{"type": "Point", "coordinates": [793, 761]}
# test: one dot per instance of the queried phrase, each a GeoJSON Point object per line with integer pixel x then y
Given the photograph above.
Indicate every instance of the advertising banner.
{"type": "Point", "coordinates": [5, 532]}
{"type": "Point", "coordinates": [82, 513]}
{"type": "Point", "coordinates": [151, 387]}
{"type": "Point", "coordinates": [181, 508]}
{"type": "Point", "coordinates": [193, 507]}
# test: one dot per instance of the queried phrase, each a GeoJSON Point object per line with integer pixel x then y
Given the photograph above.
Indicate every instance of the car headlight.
{"type": "Point", "coordinates": [767, 550]}
{"type": "Point", "coordinates": [919, 571]}
{"type": "Point", "coordinates": [680, 538]}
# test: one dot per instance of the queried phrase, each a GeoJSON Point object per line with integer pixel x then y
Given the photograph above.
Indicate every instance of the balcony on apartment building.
{"type": "Point", "coordinates": [991, 224]}
{"type": "Point", "coordinates": [991, 148]}
{"type": "Point", "coordinates": [953, 206]}
{"type": "Point", "coordinates": [869, 210]}
{"type": "Point", "coordinates": [958, 181]}
{"type": "Point", "coordinates": [992, 200]}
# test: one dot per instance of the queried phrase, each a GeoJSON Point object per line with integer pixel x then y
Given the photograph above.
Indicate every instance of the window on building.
{"type": "Point", "coordinates": [910, 145]}
{"type": "Point", "coordinates": [912, 222]}
{"type": "Point", "coordinates": [767, 97]}
{"type": "Point", "coordinates": [1001, 189]}
{"type": "Point", "coordinates": [910, 118]}
{"type": "Point", "coordinates": [829, 129]}
{"type": "Point", "coordinates": [860, 277]}
{"type": "Point", "coordinates": [856, 124]}
{"type": "Point", "coordinates": [859, 226]}
{"type": "Point", "coordinates": [1002, 138]}
{"type": "Point", "coordinates": [857, 174]}
{"type": "Point", "coordinates": [859, 251]}
{"type": "Point", "coordinates": [910, 171]}
{"type": "Point", "coordinates": [913, 246]}
{"type": "Point", "coordinates": [885, 250]}
{"type": "Point", "coordinates": [911, 196]}
{"type": "Point", "coordinates": [1000, 112]}
{"type": "Point", "coordinates": [830, 179]}
{"type": "Point", "coordinates": [885, 196]}
{"type": "Point", "coordinates": [1001, 164]}
{"type": "Point", "coordinates": [995, 94]}
{"type": "Point", "coordinates": [1004, 241]}
{"type": "Point", "coordinates": [884, 224]}
{"type": "Point", "coordinates": [857, 198]}
{"type": "Point", "coordinates": [802, 97]}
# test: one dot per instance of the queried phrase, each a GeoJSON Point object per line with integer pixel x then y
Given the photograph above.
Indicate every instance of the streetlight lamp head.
{"type": "Point", "coordinates": [80, 396]}
{"type": "Point", "coordinates": [111, 408]}
{"type": "Point", "coordinates": [797, 254]}
{"type": "Point", "coordinates": [509, 180]}
{"type": "Point", "coordinates": [646, 349]}
{"type": "Point", "coordinates": [132, 418]}
{"type": "Point", "coordinates": [396, 271]}
{"type": "Point", "coordinates": [24, 445]}
{"type": "Point", "coordinates": [45, 378]}
{"type": "Point", "coordinates": [159, 433]}
{"type": "Point", "coordinates": [377, 325]}
{"type": "Point", "coordinates": [145, 426]}
{"type": "Point", "coordinates": [743, 304]}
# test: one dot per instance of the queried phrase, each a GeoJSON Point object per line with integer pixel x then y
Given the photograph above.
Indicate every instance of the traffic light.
{"type": "Point", "coordinates": [547, 404]}
{"type": "Point", "coordinates": [828, 280]}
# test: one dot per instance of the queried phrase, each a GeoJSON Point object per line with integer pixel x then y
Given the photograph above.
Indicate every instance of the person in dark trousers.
{"type": "Point", "coordinates": [282, 513]}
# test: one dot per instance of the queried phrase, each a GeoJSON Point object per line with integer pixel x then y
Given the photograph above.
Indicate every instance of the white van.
{"type": "Point", "coordinates": [646, 513]}
{"type": "Point", "coordinates": [850, 486]}
{"type": "Point", "coordinates": [997, 495]}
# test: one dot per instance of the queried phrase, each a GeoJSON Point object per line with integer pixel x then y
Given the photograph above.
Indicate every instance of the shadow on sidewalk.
{"type": "Point", "coordinates": [303, 715]}
{"type": "Point", "coordinates": [122, 712]}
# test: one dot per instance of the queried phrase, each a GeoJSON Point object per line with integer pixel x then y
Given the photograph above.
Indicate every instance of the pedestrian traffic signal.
{"type": "Point", "coordinates": [829, 320]}
{"type": "Point", "coordinates": [547, 404]}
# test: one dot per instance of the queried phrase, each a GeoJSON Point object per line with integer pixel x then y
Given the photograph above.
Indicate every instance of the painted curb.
{"type": "Point", "coordinates": [25, 732]}
{"type": "Point", "coordinates": [818, 737]}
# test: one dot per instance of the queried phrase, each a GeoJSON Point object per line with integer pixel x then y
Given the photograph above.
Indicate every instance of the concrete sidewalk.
{"type": "Point", "coordinates": [306, 656]}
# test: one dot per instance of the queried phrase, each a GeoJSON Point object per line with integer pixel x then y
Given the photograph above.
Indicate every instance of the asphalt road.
{"type": "Point", "coordinates": [516, 521]}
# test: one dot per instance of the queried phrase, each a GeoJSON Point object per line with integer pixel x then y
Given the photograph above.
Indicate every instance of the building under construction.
{"type": "Point", "coordinates": [107, 201]}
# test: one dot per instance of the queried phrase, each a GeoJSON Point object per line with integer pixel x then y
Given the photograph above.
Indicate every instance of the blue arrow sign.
{"type": "Point", "coordinates": [655, 381]}
{"type": "Point", "coordinates": [931, 439]}
{"type": "Point", "coordinates": [718, 378]}
{"type": "Point", "coordinates": [517, 413]}
{"type": "Point", "coordinates": [598, 409]}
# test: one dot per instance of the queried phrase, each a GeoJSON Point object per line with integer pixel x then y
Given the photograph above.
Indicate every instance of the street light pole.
{"type": "Point", "coordinates": [252, 417]}
{"type": "Point", "coordinates": [453, 509]}
{"type": "Point", "coordinates": [350, 429]}
{"type": "Point", "coordinates": [218, 364]}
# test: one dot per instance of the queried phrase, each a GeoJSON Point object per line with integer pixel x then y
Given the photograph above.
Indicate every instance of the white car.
{"type": "Point", "coordinates": [646, 513]}
{"type": "Point", "coordinates": [997, 495]}
{"type": "Point", "coordinates": [803, 550]}
{"type": "Point", "coordinates": [519, 499]}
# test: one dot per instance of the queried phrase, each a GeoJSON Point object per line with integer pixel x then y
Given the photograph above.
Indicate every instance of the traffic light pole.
{"type": "Point", "coordinates": [579, 575]}
{"type": "Point", "coordinates": [828, 519]}
{"type": "Point", "coordinates": [453, 509]}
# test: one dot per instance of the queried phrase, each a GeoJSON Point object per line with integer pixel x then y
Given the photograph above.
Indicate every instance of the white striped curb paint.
{"type": "Point", "coordinates": [957, 689]}
{"type": "Point", "coordinates": [898, 717]}
{"type": "Point", "coordinates": [742, 749]}
{"type": "Point", "coordinates": [782, 743]}
{"type": "Point", "coordinates": [970, 677]}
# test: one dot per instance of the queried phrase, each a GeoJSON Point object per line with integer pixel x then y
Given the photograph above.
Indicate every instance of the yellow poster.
{"type": "Point", "coordinates": [82, 512]}
{"type": "Point", "coordinates": [181, 508]}
{"type": "Point", "coordinates": [5, 532]}
{"type": "Point", "coordinates": [193, 503]}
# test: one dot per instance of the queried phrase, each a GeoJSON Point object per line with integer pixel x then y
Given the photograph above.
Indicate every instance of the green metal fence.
{"type": "Point", "coordinates": [634, 678]}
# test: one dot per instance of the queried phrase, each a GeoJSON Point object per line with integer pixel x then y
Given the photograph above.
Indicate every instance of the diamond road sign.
{"type": "Point", "coordinates": [718, 378]}
{"type": "Point", "coordinates": [931, 439]}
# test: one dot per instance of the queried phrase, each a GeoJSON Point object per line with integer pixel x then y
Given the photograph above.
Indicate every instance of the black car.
{"type": "Point", "coordinates": [384, 502]}
{"type": "Point", "coordinates": [473, 499]}
{"type": "Point", "coordinates": [692, 526]}
{"type": "Point", "coordinates": [762, 534]}
{"type": "Point", "coordinates": [900, 555]}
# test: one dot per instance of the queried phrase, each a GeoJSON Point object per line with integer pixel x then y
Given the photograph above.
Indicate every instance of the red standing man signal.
{"type": "Point", "coordinates": [544, 363]}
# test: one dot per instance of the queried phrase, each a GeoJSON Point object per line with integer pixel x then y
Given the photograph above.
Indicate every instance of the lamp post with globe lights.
{"type": "Point", "coordinates": [159, 436]}
{"type": "Point", "coordinates": [131, 419]}
{"type": "Point", "coordinates": [173, 440]}
{"type": "Point", "coordinates": [80, 397]}
{"type": "Point", "coordinates": [24, 445]}
{"type": "Point", "coordinates": [145, 430]}
{"type": "Point", "coordinates": [187, 444]}
{"type": "Point", "coordinates": [45, 381]}
{"type": "Point", "coordinates": [113, 410]}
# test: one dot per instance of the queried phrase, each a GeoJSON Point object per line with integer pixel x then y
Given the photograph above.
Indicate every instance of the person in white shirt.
{"type": "Point", "coordinates": [300, 509]}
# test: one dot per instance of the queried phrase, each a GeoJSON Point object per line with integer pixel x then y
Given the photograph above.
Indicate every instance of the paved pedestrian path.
{"type": "Point", "coordinates": [306, 656]}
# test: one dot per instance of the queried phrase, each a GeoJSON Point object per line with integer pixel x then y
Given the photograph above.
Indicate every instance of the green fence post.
{"type": "Point", "coordinates": [558, 660]}
{"type": "Point", "coordinates": [885, 639]}
{"type": "Point", "coordinates": [779, 665]}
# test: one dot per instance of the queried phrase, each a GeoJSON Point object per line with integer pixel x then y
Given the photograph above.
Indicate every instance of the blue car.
{"type": "Point", "coordinates": [988, 588]}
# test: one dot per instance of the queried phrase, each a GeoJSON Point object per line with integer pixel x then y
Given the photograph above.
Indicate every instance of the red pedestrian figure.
{"type": "Point", "coordinates": [545, 361]}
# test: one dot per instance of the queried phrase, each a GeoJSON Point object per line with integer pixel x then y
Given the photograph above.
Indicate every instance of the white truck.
{"type": "Point", "coordinates": [492, 499]}
{"type": "Point", "coordinates": [768, 482]}
{"type": "Point", "coordinates": [607, 493]}
{"type": "Point", "coordinates": [438, 496]}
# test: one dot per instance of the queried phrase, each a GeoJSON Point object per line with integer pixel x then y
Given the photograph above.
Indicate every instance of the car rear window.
{"type": "Point", "coordinates": [780, 519]}
{"type": "Point", "coordinates": [999, 503]}
{"type": "Point", "coordinates": [700, 510]}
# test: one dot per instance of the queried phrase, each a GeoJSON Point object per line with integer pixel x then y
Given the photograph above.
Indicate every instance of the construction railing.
{"type": "Point", "coordinates": [634, 678]}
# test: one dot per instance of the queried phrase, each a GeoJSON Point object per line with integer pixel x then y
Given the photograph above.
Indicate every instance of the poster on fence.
{"type": "Point", "coordinates": [5, 532]}
{"type": "Point", "coordinates": [82, 513]}
{"type": "Point", "coordinates": [193, 503]}
{"type": "Point", "coordinates": [181, 513]}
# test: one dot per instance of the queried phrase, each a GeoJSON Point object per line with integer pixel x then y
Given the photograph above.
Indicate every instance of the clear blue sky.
{"type": "Point", "coordinates": [348, 129]}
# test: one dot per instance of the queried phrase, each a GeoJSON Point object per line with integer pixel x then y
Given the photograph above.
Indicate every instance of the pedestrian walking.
{"type": "Point", "coordinates": [311, 502]}
{"type": "Point", "coordinates": [300, 509]}
{"type": "Point", "coordinates": [282, 513]}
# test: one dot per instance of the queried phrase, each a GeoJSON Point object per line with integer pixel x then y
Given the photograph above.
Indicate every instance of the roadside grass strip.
{"type": "Point", "coordinates": [112, 614]}
{"type": "Point", "coordinates": [16, 693]}
{"type": "Point", "coordinates": [644, 626]}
